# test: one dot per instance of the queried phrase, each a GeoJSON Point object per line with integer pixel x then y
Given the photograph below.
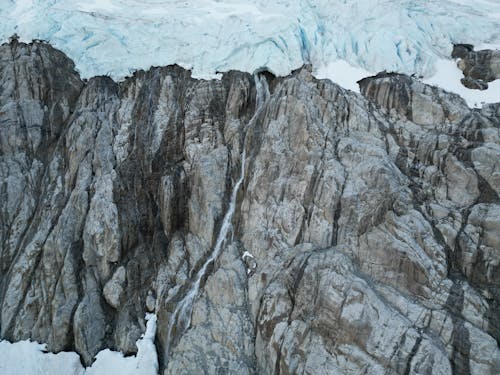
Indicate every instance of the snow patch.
{"type": "Point", "coordinates": [144, 363]}
{"type": "Point", "coordinates": [27, 357]}
{"type": "Point", "coordinates": [448, 77]}
{"type": "Point", "coordinates": [246, 254]}
{"type": "Point", "coordinates": [343, 73]}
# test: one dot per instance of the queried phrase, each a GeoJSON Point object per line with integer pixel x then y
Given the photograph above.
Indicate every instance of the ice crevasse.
{"type": "Point", "coordinates": [114, 37]}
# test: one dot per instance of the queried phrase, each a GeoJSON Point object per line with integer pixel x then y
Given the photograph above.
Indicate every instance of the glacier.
{"type": "Point", "coordinates": [114, 37]}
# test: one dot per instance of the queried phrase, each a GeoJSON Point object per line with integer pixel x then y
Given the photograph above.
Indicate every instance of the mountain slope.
{"type": "Point", "coordinates": [364, 236]}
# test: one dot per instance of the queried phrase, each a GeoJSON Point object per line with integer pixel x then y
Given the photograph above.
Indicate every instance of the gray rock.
{"type": "Point", "coordinates": [113, 289]}
{"type": "Point", "coordinates": [475, 84]}
{"type": "Point", "coordinates": [364, 236]}
{"type": "Point", "coordinates": [479, 67]}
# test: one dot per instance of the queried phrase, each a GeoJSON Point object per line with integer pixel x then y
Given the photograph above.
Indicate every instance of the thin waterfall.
{"type": "Point", "coordinates": [180, 319]}
{"type": "Point", "coordinates": [262, 89]}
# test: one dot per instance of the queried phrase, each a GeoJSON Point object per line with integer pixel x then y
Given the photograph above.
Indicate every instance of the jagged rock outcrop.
{"type": "Point", "coordinates": [365, 236]}
{"type": "Point", "coordinates": [479, 67]}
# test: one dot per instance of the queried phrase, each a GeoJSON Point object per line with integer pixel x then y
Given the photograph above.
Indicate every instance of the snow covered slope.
{"type": "Point", "coordinates": [114, 36]}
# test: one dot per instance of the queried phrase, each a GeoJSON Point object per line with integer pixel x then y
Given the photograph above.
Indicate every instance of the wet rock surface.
{"type": "Point", "coordinates": [365, 236]}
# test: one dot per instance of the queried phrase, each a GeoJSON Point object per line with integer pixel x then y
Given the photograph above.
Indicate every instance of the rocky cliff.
{"type": "Point", "coordinates": [274, 225]}
{"type": "Point", "coordinates": [479, 67]}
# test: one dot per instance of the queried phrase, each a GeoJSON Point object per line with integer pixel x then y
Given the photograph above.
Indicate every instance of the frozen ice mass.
{"type": "Point", "coordinates": [114, 37]}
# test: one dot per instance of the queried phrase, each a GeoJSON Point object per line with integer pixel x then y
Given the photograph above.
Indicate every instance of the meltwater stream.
{"type": "Point", "coordinates": [181, 317]}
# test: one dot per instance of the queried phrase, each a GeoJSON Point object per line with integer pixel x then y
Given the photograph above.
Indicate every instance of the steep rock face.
{"type": "Point", "coordinates": [365, 235]}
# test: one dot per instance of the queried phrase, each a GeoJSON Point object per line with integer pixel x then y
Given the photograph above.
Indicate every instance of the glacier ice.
{"type": "Point", "coordinates": [115, 36]}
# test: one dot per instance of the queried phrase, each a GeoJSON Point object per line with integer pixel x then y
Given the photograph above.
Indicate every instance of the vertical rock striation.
{"type": "Point", "coordinates": [365, 235]}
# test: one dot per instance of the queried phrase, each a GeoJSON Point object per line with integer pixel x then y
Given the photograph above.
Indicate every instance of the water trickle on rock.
{"type": "Point", "coordinates": [180, 319]}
